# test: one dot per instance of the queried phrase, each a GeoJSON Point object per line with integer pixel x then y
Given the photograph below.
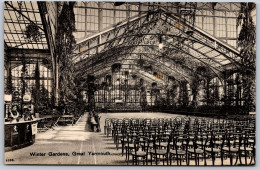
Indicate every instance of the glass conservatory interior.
{"type": "Point", "coordinates": [105, 62]}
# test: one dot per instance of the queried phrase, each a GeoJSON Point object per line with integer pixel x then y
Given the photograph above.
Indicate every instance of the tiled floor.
{"type": "Point", "coordinates": [79, 139]}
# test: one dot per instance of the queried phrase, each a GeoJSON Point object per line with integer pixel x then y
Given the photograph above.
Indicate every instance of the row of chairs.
{"type": "Point", "coordinates": [183, 139]}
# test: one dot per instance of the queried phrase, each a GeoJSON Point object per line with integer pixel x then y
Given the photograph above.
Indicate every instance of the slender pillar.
{"type": "Point", "coordinates": [100, 16]}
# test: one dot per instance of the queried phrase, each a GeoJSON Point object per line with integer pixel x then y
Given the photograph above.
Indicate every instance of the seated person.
{"type": "Point", "coordinates": [97, 119]}
{"type": "Point", "coordinates": [14, 114]}
{"type": "Point", "coordinates": [91, 113]}
{"type": "Point", "coordinates": [27, 113]}
{"type": "Point", "coordinates": [96, 116]}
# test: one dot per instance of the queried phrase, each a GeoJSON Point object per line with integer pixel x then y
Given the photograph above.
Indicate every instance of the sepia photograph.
{"type": "Point", "coordinates": [129, 83]}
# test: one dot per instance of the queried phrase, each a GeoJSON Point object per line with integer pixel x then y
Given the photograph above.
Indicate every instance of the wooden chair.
{"type": "Point", "coordinates": [158, 150]}
{"type": "Point", "coordinates": [137, 153]}
{"type": "Point", "coordinates": [228, 149]}
{"type": "Point", "coordinates": [196, 151]}
{"type": "Point", "coordinates": [213, 149]}
{"type": "Point", "coordinates": [177, 150]}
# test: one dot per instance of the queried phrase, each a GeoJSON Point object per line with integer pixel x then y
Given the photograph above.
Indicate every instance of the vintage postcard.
{"type": "Point", "coordinates": [130, 83]}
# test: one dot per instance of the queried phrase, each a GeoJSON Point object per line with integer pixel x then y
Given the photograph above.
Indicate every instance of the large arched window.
{"type": "Point", "coordinates": [92, 17]}
{"type": "Point", "coordinates": [120, 13]}
{"type": "Point", "coordinates": [208, 22]}
{"type": "Point", "coordinates": [220, 24]}
{"type": "Point", "coordinates": [108, 15]}
{"type": "Point", "coordinates": [199, 19]}
{"type": "Point", "coordinates": [80, 17]}
{"type": "Point", "coordinates": [232, 29]}
{"type": "Point", "coordinates": [134, 10]}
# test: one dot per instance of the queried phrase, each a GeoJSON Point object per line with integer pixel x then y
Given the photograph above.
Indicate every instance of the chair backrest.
{"type": "Point", "coordinates": [146, 145]}
{"type": "Point", "coordinates": [225, 141]}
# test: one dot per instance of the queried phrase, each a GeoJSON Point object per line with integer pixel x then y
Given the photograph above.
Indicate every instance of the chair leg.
{"type": "Point", "coordinates": [196, 159]}
{"type": "Point", "coordinates": [231, 158]}
{"type": "Point", "coordinates": [238, 157]}
{"type": "Point", "coordinates": [176, 158]}
{"type": "Point", "coordinates": [127, 155]}
{"type": "Point", "coordinates": [162, 158]}
{"type": "Point", "coordinates": [151, 159]}
{"type": "Point", "coordinates": [222, 158]}
{"type": "Point", "coordinates": [123, 145]}
{"type": "Point", "coordinates": [188, 159]}
{"type": "Point", "coordinates": [252, 157]}
{"type": "Point", "coordinates": [126, 152]}
{"type": "Point", "coordinates": [205, 162]}
{"type": "Point", "coordinates": [245, 157]}
{"type": "Point", "coordinates": [213, 159]}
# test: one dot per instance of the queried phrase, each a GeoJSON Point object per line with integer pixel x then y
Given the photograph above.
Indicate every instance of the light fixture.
{"type": "Point", "coordinates": [8, 98]}
{"type": "Point", "coordinates": [161, 46]}
{"type": "Point", "coordinates": [27, 97]}
{"type": "Point", "coordinates": [160, 43]}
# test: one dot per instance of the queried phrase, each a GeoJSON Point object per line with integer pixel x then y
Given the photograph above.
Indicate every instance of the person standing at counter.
{"type": "Point", "coordinates": [27, 113]}
{"type": "Point", "coordinates": [14, 114]}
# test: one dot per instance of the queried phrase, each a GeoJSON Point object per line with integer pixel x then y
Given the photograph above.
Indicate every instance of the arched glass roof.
{"type": "Point", "coordinates": [185, 46]}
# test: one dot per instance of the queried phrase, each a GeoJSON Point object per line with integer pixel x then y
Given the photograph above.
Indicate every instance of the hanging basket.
{"type": "Point", "coordinates": [90, 78]}
{"type": "Point", "coordinates": [148, 68]}
{"type": "Point", "coordinates": [140, 62]}
{"type": "Point", "coordinates": [116, 67]}
{"type": "Point", "coordinates": [134, 76]}
{"type": "Point", "coordinates": [154, 84]}
{"type": "Point", "coordinates": [32, 33]}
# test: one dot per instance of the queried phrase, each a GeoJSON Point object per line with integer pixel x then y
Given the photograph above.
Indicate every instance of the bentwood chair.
{"type": "Point", "coordinates": [178, 151]}
{"type": "Point", "coordinates": [129, 146]}
{"type": "Point", "coordinates": [228, 148]}
{"type": "Point", "coordinates": [158, 152]}
{"type": "Point", "coordinates": [196, 151]}
{"type": "Point", "coordinates": [245, 150]}
{"type": "Point", "coordinates": [212, 148]}
{"type": "Point", "coordinates": [139, 154]}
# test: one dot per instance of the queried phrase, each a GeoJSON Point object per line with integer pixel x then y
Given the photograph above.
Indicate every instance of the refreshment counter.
{"type": "Point", "coordinates": [19, 134]}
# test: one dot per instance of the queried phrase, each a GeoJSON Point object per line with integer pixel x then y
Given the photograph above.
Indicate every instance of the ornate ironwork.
{"type": "Point", "coordinates": [141, 35]}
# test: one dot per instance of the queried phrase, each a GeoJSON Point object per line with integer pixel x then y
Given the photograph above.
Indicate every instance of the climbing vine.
{"type": "Point", "coordinates": [64, 46]}
{"type": "Point", "coordinates": [247, 45]}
